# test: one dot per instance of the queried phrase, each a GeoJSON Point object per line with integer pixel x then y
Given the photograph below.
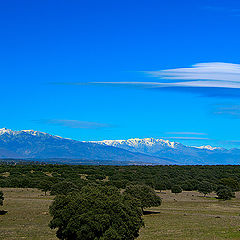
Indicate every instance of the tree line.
{"type": "Point", "coordinates": [188, 178]}
{"type": "Point", "coordinates": [107, 202]}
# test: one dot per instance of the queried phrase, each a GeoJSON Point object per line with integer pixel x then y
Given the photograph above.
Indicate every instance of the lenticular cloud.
{"type": "Point", "coordinates": [215, 74]}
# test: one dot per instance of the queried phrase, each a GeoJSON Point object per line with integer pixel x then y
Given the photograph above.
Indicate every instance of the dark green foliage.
{"type": "Point", "coordinates": [120, 183]}
{"type": "Point", "coordinates": [160, 186]}
{"type": "Point", "coordinates": [158, 177]}
{"type": "Point", "coordinates": [176, 189]}
{"type": "Point", "coordinates": [224, 193]}
{"type": "Point", "coordinates": [231, 183]}
{"type": "Point", "coordinates": [96, 177]}
{"type": "Point", "coordinates": [146, 196]}
{"type": "Point", "coordinates": [63, 188]}
{"type": "Point", "coordinates": [45, 186]}
{"type": "Point", "coordinates": [1, 198]}
{"type": "Point", "coordinates": [96, 212]}
{"type": "Point", "coordinates": [205, 188]}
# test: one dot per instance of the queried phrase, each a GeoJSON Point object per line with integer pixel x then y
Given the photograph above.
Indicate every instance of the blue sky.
{"type": "Point", "coordinates": [93, 70]}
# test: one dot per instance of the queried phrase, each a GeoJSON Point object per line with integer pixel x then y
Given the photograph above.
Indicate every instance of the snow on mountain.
{"type": "Point", "coordinates": [208, 147]}
{"type": "Point", "coordinates": [146, 145]}
{"type": "Point", "coordinates": [149, 145]}
{"type": "Point", "coordinates": [10, 133]}
{"type": "Point", "coordinates": [180, 153]}
{"type": "Point", "coordinates": [35, 144]}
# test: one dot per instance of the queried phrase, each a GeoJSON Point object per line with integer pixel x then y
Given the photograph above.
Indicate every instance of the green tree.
{"type": "Point", "coordinates": [231, 183]}
{"type": "Point", "coordinates": [45, 186]}
{"type": "Point", "coordinates": [63, 188]}
{"type": "Point", "coordinates": [146, 195]}
{"type": "Point", "coordinates": [96, 213]}
{"type": "Point", "coordinates": [224, 193]}
{"type": "Point", "coordinates": [160, 186]}
{"type": "Point", "coordinates": [205, 188]}
{"type": "Point", "coordinates": [176, 189]}
{"type": "Point", "coordinates": [1, 198]}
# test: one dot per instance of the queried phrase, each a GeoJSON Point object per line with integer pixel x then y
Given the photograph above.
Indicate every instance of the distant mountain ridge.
{"type": "Point", "coordinates": [38, 145]}
{"type": "Point", "coordinates": [177, 151]}
{"type": "Point", "coordinates": [29, 144]}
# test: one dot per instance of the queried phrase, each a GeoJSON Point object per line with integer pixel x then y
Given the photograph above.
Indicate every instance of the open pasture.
{"type": "Point", "coordinates": [183, 216]}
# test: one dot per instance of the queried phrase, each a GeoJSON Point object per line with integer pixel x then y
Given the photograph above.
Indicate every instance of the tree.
{"type": "Point", "coordinates": [96, 212]}
{"type": "Point", "coordinates": [205, 188]}
{"type": "Point", "coordinates": [224, 193]}
{"type": "Point", "coordinates": [45, 186]}
{"type": "Point", "coordinates": [146, 196]}
{"type": "Point", "coordinates": [1, 198]}
{"type": "Point", "coordinates": [160, 186]}
{"type": "Point", "coordinates": [231, 183]}
{"type": "Point", "coordinates": [176, 189]}
{"type": "Point", "coordinates": [63, 188]}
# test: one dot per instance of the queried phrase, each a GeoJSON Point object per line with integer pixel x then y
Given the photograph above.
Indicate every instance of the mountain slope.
{"type": "Point", "coordinates": [177, 151]}
{"type": "Point", "coordinates": [34, 144]}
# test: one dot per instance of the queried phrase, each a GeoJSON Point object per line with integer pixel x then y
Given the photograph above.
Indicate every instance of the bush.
{"type": "Point", "coordinates": [160, 186]}
{"type": "Point", "coordinates": [176, 189]}
{"type": "Point", "coordinates": [63, 188]}
{"type": "Point", "coordinates": [96, 212]}
{"type": "Point", "coordinates": [225, 193]}
{"type": "Point", "coordinates": [205, 188]}
{"type": "Point", "coordinates": [146, 196]}
{"type": "Point", "coordinates": [45, 185]}
{"type": "Point", "coordinates": [231, 183]}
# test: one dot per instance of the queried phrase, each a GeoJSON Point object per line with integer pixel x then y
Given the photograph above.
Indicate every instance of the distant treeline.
{"type": "Point", "coordinates": [158, 177]}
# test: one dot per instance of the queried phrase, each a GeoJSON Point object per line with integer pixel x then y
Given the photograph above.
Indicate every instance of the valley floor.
{"type": "Point", "coordinates": [184, 216]}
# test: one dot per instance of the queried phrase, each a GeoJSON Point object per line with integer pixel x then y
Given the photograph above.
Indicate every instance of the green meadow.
{"type": "Point", "coordinates": [187, 215]}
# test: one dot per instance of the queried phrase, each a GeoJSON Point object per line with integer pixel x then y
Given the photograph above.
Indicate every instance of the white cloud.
{"type": "Point", "coordinates": [201, 75]}
{"type": "Point", "coordinates": [216, 71]}
{"type": "Point", "coordinates": [205, 84]}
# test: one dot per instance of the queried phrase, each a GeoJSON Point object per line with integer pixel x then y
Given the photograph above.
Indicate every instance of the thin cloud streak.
{"type": "Point", "coordinates": [205, 84]}
{"type": "Point", "coordinates": [187, 138]}
{"type": "Point", "coordinates": [214, 71]}
{"type": "Point", "coordinates": [205, 75]}
{"type": "Point", "coordinates": [185, 133]}
{"type": "Point", "coordinates": [74, 123]}
{"type": "Point", "coordinates": [213, 79]}
{"type": "Point", "coordinates": [228, 110]}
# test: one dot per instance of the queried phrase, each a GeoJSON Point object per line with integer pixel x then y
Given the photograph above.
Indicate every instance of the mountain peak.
{"type": "Point", "coordinates": [209, 147]}
{"type": "Point", "coordinates": [8, 132]}
{"type": "Point", "coordinates": [140, 143]}
{"type": "Point", "coordinates": [5, 130]}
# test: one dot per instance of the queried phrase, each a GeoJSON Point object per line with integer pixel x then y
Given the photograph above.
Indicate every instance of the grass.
{"type": "Point", "coordinates": [183, 216]}
{"type": "Point", "coordinates": [27, 216]}
{"type": "Point", "coordinates": [190, 216]}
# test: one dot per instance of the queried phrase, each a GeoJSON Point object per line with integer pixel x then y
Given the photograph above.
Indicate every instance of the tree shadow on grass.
{"type": "Point", "coordinates": [3, 212]}
{"type": "Point", "coordinates": [150, 212]}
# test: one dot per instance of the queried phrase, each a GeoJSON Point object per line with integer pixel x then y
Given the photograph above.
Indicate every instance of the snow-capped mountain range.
{"type": "Point", "coordinates": [149, 145]}
{"type": "Point", "coordinates": [178, 152]}
{"type": "Point", "coordinates": [37, 145]}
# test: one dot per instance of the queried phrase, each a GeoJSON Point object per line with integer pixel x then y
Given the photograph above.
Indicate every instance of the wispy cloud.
{"type": "Point", "coordinates": [214, 74]}
{"type": "Point", "coordinates": [186, 138]}
{"type": "Point", "coordinates": [230, 11]}
{"type": "Point", "coordinates": [228, 110]}
{"type": "Point", "coordinates": [212, 79]}
{"type": "Point", "coordinates": [201, 75]}
{"type": "Point", "coordinates": [185, 133]}
{"type": "Point", "coordinates": [75, 123]}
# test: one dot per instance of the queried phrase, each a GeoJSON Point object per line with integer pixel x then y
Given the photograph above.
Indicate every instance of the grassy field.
{"type": "Point", "coordinates": [27, 216]}
{"type": "Point", "coordinates": [184, 216]}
